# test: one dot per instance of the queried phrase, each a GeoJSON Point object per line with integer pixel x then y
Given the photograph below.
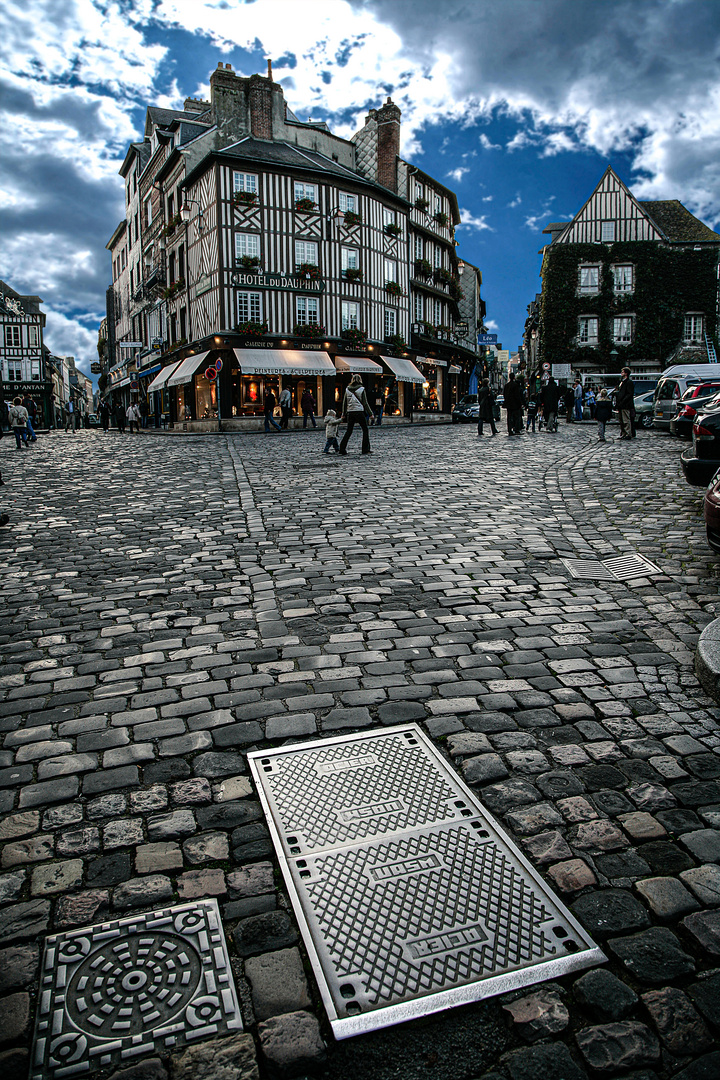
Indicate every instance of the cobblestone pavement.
{"type": "Point", "coordinates": [172, 603]}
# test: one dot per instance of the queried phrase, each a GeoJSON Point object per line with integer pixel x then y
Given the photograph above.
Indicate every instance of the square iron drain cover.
{"type": "Point", "coordinates": [137, 985]}
{"type": "Point", "coordinates": [409, 896]}
{"type": "Point", "coordinates": [620, 568]}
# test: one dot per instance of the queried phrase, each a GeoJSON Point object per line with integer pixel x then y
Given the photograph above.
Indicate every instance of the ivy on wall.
{"type": "Point", "coordinates": [668, 283]}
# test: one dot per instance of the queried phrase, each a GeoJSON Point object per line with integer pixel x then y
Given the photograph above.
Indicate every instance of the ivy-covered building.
{"type": "Point", "coordinates": [626, 283]}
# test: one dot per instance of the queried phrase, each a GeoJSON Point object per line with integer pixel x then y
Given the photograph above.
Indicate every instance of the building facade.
{"type": "Point", "coordinates": [625, 283]}
{"type": "Point", "coordinates": [260, 252]}
{"type": "Point", "coordinates": [22, 368]}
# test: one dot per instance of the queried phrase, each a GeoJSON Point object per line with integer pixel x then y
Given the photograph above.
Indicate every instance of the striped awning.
{"type": "Point", "coordinates": [362, 364]}
{"type": "Point", "coordinates": [403, 370]}
{"type": "Point", "coordinates": [284, 362]}
{"type": "Point", "coordinates": [185, 370]}
{"type": "Point", "coordinates": [454, 370]}
{"type": "Point", "coordinates": [159, 381]}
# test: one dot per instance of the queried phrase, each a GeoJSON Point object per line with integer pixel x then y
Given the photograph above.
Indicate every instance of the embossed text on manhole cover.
{"type": "Point", "coordinates": [409, 896]}
{"type": "Point", "coordinates": [117, 990]}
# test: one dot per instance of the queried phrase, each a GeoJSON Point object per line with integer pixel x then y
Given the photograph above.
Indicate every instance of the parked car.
{"type": "Point", "coordinates": [644, 409]}
{"type": "Point", "coordinates": [712, 512]}
{"type": "Point", "coordinates": [673, 383]}
{"type": "Point", "coordinates": [460, 415]}
{"type": "Point", "coordinates": [701, 461]}
{"type": "Point", "coordinates": [693, 400]}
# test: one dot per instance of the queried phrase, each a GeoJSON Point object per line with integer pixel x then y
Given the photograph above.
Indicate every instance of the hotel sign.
{"type": "Point", "coordinates": [295, 282]}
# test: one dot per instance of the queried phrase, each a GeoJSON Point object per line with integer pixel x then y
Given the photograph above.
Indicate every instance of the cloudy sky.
{"type": "Point", "coordinates": [519, 105]}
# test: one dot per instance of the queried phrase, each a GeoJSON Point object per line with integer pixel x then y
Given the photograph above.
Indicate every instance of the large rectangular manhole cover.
{"type": "Point", "coordinates": [619, 568]}
{"type": "Point", "coordinates": [409, 896]}
{"type": "Point", "coordinates": [137, 985]}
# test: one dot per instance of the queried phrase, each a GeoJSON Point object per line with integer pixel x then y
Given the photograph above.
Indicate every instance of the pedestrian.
{"type": "Point", "coordinates": [285, 408]}
{"type": "Point", "coordinates": [550, 399]}
{"type": "Point", "coordinates": [132, 415]}
{"type": "Point", "coordinates": [31, 408]}
{"type": "Point", "coordinates": [4, 422]}
{"type": "Point", "coordinates": [308, 406]}
{"type": "Point", "coordinates": [578, 391]}
{"type": "Point", "coordinates": [144, 412]}
{"type": "Point", "coordinates": [569, 404]}
{"type": "Point", "coordinates": [513, 396]}
{"type": "Point", "coordinates": [590, 402]}
{"type": "Point", "coordinates": [18, 417]}
{"type": "Point", "coordinates": [356, 411]}
{"type": "Point", "coordinates": [624, 403]}
{"type": "Point", "coordinates": [603, 412]}
{"type": "Point", "coordinates": [70, 417]}
{"type": "Point", "coordinates": [532, 411]}
{"type": "Point", "coordinates": [486, 402]}
{"type": "Point", "coordinates": [332, 425]}
{"type": "Point", "coordinates": [105, 415]}
{"type": "Point", "coordinates": [378, 406]}
{"type": "Point", "coordinates": [269, 408]}
{"type": "Point", "coordinates": [120, 417]}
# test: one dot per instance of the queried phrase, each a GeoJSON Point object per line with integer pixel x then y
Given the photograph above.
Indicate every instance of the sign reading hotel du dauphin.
{"type": "Point", "coordinates": [249, 279]}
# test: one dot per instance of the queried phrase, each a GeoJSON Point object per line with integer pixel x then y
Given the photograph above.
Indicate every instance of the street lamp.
{"type": "Point", "coordinates": [613, 359]}
{"type": "Point", "coordinates": [336, 214]}
{"type": "Point", "coordinates": [185, 210]}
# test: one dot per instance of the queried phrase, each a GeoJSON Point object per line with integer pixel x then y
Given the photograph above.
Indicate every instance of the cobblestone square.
{"type": "Point", "coordinates": [172, 603]}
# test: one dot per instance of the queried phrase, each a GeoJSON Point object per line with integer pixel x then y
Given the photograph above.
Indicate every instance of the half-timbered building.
{"type": "Point", "coordinates": [22, 366]}
{"type": "Point", "coordinates": [626, 282]}
{"type": "Point", "coordinates": [261, 252]}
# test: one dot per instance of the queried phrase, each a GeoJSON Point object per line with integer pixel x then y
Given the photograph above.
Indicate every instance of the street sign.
{"type": "Point", "coordinates": [96, 368]}
{"type": "Point", "coordinates": [461, 328]}
{"type": "Point", "coordinates": [561, 371]}
{"type": "Point", "coordinates": [487, 339]}
{"type": "Point", "coordinates": [129, 344]}
{"type": "Point", "coordinates": [546, 367]}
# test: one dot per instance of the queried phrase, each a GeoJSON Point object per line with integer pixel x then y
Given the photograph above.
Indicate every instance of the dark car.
{"type": "Point", "coordinates": [462, 413]}
{"type": "Point", "coordinates": [701, 462]}
{"type": "Point", "coordinates": [693, 400]}
{"type": "Point", "coordinates": [712, 512]}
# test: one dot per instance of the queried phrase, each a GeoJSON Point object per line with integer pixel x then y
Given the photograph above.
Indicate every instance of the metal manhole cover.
{"type": "Point", "coordinates": [409, 896]}
{"type": "Point", "coordinates": [621, 568]}
{"type": "Point", "coordinates": [133, 986]}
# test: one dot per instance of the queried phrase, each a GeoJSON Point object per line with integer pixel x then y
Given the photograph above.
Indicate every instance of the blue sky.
{"type": "Point", "coordinates": [518, 105]}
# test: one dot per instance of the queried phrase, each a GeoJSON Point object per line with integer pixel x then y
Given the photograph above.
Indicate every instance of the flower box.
{"type": "Point", "coordinates": [442, 276]}
{"type": "Point", "coordinates": [308, 270]}
{"type": "Point", "coordinates": [173, 289]}
{"type": "Point", "coordinates": [245, 198]}
{"type": "Point", "coordinates": [351, 218]}
{"type": "Point", "coordinates": [171, 226]}
{"type": "Point", "coordinates": [394, 288]}
{"type": "Point", "coordinates": [251, 329]}
{"type": "Point", "coordinates": [422, 204]}
{"type": "Point", "coordinates": [423, 269]}
{"type": "Point", "coordinates": [358, 337]}
{"type": "Point", "coordinates": [308, 330]}
{"type": "Point", "coordinates": [392, 229]}
{"type": "Point", "coordinates": [305, 206]}
{"type": "Point", "coordinates": [441, 218]}
{"type": "Point", "coordinates": [353, 274]}
{"type": "Point", "coordinates": [249, 262]}
{"type": "Point", "coordinates": [396, 341]}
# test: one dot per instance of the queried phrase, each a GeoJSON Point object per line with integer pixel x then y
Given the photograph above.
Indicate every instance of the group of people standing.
{"type": "Point", "coordinates": [547, 403]}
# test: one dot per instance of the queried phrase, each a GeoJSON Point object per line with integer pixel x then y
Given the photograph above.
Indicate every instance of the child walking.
{"type": "Point", "coordinates": [603, 412]}
{"type": "Point", "coordinates": [332, 425]}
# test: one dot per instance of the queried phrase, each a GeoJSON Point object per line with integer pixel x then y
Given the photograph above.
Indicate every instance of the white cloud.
{"type": "Point", "coordinates": [68, 337]}
{"type": "Point", "coordinates": [516, 201]}
{"type": "Point", "coordinates": [457, 174]}
{"type": "Point", "coordinates": [487, 145]}
{"type": "Point", "coordinates": [491, 326]}
{"type": "Point", "coordinates": [473, 222]}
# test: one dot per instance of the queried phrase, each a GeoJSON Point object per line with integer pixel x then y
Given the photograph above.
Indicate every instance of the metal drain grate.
{"type": "Point", "coordinates": [112, 992]}
{"type": "Point", "coordinates": [622, 568]}
{"type": "Point", "coordinates": [409, 897]}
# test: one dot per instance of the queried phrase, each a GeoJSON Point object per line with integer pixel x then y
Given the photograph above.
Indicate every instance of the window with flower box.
{"type": "Point", "coordinates": [350, 315]}
{"type": "Point", "coordinates": [349, 203]}
{"type": "Point", "coordinates": [390, 269]}
{"type": "Point", "coordinates": [302, 190]}
{"type": "Point", "coordinates": [306, 311]}
{"type": "Point", "coordinates": [623, 330]}
{"type": "Point", "coordinates": [247, 245]}
{"type": "Point", "coordinates": [247, 182]}
{"type": "Point", "coordinates": [587, 330]}
{"type": "Point", "coordinates": [306, 252]}
{"type": "Point", "coordinates": [390, 322]}
{"type": "Point", "coordinates": [249, 306]}
{"type": "Point", "coordinates": [349, 258]}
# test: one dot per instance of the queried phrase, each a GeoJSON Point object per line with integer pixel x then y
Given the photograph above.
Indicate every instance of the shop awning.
{"type": "Point", "coordinates": [283, 362]}
{"type": "Point", "coordinates": [119, 385]}
{"type": "Point", "coordinates": [454, 370]}
{"type": "Point", "coordinates": [148, 371]}
{"type": "Point", "coordinates": [403, 370]}
{"type": "Point", "coordinates": [430, 360]}
{"type": "Point", "coordinates": [159, 381]}
{"type": "Point", "coordinates": [185, 370]}
{"type": "Point", "coordinates": [358, 363]}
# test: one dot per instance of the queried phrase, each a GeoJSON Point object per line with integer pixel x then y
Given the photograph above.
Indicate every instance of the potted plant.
{"type": "Point", "coordinates": [441, 276]}
{"type": "Point", "coordinates": [304, 206]}
{"type": "Point", "coordinates": [441, 218]}
{"type": "Point", "coordinates": [249, 262]}
{"type": "Point", "coordinates": [351, 218]}
{"type": "Point", "coordinates": [308, 270]}
{"type": "Point", "coordinates": [394, 288]}
{"type": "Point", "coordinates": [251, 328]}
{"type": "Point", "coordinates": [391, 229]}
{"type": "Point", "coordinates": [353, 274]}
{"type": "Point", "coordinates": [423, 269]}
{"type": "Point", "coordinates": [427, 328]}
{"type": "Point", "coordinates": [354, 334]}
{"type": "Point", "coordinates": [422, 204]}
{"type": "Point", "coordinates": [455, 291]}
{"type": "Point", "coordinates": [308, 330]}
{"type": "Point", "coordinates": [397, 341]}
{"type": "Point", "coordinates": [245, 198]}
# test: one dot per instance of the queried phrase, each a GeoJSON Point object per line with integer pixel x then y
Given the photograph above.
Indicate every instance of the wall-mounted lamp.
{"type": "Point", "coordinates": [185, 210]}
{"type": "Point", "coordinates": [461, 266]}
{"type": "Point", "coordinates": [336, 214]}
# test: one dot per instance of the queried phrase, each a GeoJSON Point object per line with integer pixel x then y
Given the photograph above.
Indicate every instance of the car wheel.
{"type": "Point", "coordinates": [646, 420]}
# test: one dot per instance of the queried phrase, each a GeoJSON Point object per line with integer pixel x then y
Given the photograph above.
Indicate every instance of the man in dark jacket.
{"type": "Point", "coordinates": [624, 403]}
{"type": "Point", "coordinates": [550, 397]}
{"type": "Point", "coordinates": [513, 396]}
{"type": "Point", "coordinates": [486, 400]}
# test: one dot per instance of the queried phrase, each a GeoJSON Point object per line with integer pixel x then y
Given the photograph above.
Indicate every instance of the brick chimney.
{"type": "Point", "coordinates": [388, 144]}
{"type": "Point", "coordinates": [229, 104]}
{"type": "Point", "coordinates": [261, 107]}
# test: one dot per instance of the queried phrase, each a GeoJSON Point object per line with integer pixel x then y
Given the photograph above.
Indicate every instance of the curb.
{"type": "Point", "coordinates": [707, 659]}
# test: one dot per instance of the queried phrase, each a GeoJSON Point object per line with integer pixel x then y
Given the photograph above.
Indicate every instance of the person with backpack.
{"type": "Point", "coordinates": [603, 412]}
{"type": "Point", "coordinates": [356, 411]}
{"type": "Point", "coordinates": [31, 409]}
{"type": "Point", "coordinates": [18, 417]}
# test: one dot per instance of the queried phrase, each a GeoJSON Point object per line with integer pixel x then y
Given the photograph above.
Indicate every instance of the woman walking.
{"type": "Point", "coordinates": [486, 400]}
{"type": "Point", "coordinates": [356, 411]}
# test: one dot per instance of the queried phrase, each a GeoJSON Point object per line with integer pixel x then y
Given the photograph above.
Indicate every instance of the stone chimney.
{"type": "Point", "coordinates": [388, 144]}
{"type": "Point", "coordinates": [195, 105]}
{"type": "Point", "coordinates": [228, 102]}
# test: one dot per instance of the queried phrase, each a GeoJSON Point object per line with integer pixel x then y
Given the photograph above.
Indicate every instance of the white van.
{"type": "Point", "coordinates": [673, 383]}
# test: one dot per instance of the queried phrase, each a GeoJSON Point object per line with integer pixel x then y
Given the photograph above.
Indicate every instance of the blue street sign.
{"type": "Point", "coordinates": [487, 339]}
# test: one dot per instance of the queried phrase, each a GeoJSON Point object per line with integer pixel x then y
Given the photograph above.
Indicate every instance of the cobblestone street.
{"type": "Point", "coordinates": [172, 603]}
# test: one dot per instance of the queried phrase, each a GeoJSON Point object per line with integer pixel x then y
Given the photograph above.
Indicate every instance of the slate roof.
{"type": "Point", "coordinates": [678, 224]}
{"type": "Point", "coordinates": [282, 153]}
{"type": "Point", "coordinates": [163, 117]}
{"type": "Point", "coordinates": [30, 304]}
